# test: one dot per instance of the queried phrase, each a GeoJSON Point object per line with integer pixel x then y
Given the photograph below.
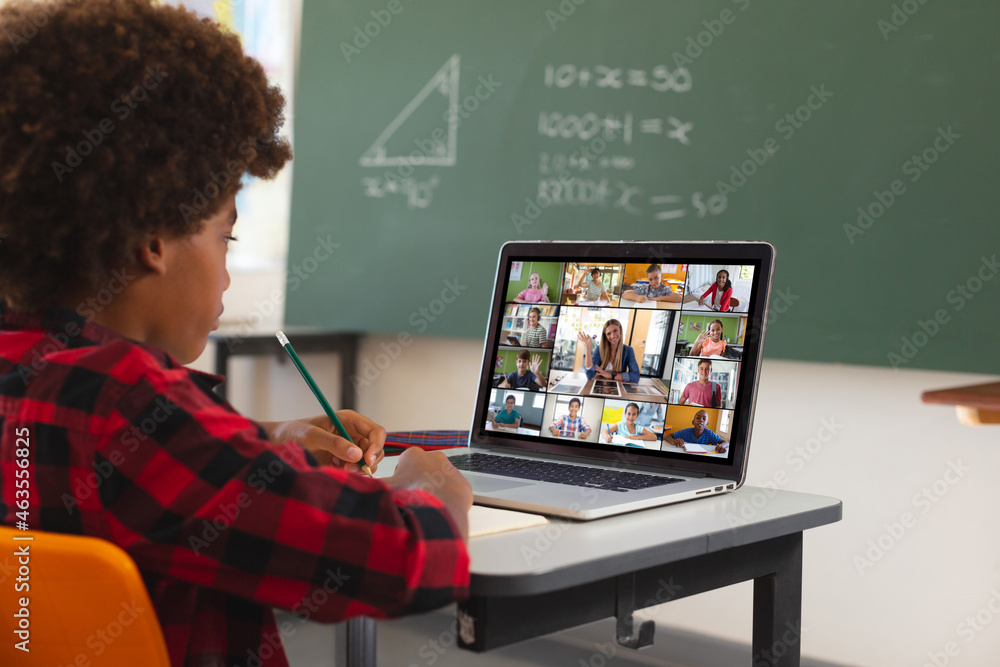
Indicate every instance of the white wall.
{"type": "Point", "coordinates": [855, 433]}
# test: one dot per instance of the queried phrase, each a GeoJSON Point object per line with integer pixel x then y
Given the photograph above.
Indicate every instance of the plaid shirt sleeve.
{"type": "Point", "coordinates": [195, 492]}
{"type": "Point", "coordinates": [558, 424]}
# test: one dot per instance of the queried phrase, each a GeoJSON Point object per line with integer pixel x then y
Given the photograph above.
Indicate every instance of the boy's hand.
{"type": "Point", "coordinates": [319, 436]}
{"type": "Point", "coordinates": [433, 472]}
{"type": "Point", "coordinates": [536, 361]}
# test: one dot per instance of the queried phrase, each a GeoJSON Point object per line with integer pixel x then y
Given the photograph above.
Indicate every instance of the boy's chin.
{"type": "Point", "coordinates": [189, 353]}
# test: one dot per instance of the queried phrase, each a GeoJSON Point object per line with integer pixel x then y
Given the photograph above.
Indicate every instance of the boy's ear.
{"type": "Point", "coordinates": [152, 255]}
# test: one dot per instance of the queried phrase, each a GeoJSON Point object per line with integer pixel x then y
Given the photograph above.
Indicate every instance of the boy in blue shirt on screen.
{"type": "Point", "coordinates": [699, 434]}
{"type": "Point", "coordinates": [523, 378]}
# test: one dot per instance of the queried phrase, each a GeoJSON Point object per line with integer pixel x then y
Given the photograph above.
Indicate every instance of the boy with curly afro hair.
{"type": "Point", "coordinates": [126, 128]}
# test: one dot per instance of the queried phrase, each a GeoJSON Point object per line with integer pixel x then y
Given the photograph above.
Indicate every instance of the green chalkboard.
{"type": "Point", "coordinates": [858, 137]}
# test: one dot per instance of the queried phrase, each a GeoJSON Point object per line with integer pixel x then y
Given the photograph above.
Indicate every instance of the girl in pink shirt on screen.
{"type": "Point", "coordinates": [710, 342]}
{"type": "Point", "coordinates": [537, 292]}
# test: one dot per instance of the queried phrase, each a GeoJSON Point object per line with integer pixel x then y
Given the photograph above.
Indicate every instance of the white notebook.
{"type": "Point", "coordinates": [489, 520]}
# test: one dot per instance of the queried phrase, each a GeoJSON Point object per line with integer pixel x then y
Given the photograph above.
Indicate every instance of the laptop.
{"type": "Point", "coordinates": [635, 381]}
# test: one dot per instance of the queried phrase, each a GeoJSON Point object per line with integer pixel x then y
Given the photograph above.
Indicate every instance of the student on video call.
{"type": "Point", "coordinates": [612, 360]}
{"type": "Point", "coordinates": [656, 290]}
{"type": "Point", "coordinates": [536, 292]}
{"type": "Point", "coordinates": [719, 294]}
{"type": "Point", "coordinates": [698, 434]}
{"type": "Point", "coordinates": [125, 219]}
{"type": "Point", "coordinates": [593, 286]}
{"type": "Point", "coordinates": [535, 335]}
{"type": "Point", "coordinates": [523, 378]}
{"type": "Point", "coordinates": [703, 391]}
{"type": "Point", "coordinates": [627, 426]}
{"type": "Point", "coordinates": [570, 425]}
{"type": "Point", "coordinates": [508, 418]}
{"type": "Point", "coordinates": [709, 342]}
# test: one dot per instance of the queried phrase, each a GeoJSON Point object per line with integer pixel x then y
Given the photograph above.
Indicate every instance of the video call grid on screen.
{"type": "Point", "coordinates": [685, 325]}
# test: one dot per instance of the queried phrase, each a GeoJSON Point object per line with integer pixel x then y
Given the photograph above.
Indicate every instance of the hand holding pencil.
{"type": "Point", "coordinates": [315, 434]}
{"type": "Point", "coordinates": [319, 436]}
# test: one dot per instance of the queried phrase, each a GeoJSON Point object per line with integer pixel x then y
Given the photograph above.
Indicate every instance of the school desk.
{"type": "Point", "coordinates": [659, 305]}
{"type": "Point", "coordinates": [519, 430]}
{"type": "Point", "coordinates": [231, 342]}
{"type": "Point", "coordinates": [536, 581]}
{"type": "Point", "coordinates": [588, 387]}
{"type": "Point", "coordinates": [680, 449]}
{"type": "Point", "coordinates": [976, 404]}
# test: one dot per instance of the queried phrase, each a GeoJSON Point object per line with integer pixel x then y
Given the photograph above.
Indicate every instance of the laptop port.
{"type": "Point", "coordinates": [718, 488]}
{"type": "Point", "coordinates": [731, 487]}
{"type": "Point", "coordinates": [698, 493]}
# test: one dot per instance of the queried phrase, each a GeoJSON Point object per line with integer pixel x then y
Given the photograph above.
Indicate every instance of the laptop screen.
{"type": "Point", "coordinates": [644, 350]}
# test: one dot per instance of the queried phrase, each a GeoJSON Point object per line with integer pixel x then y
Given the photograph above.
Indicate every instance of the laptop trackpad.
{"type": "Point", "coordinates": [489, 484]}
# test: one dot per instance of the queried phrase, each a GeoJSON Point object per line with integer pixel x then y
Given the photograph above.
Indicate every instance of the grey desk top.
{"type": "Point", "coordinates": [567, 553]}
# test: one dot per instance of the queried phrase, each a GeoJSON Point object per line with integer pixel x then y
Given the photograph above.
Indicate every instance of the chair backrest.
{"type": "Point", "coordinates": [85, 603]}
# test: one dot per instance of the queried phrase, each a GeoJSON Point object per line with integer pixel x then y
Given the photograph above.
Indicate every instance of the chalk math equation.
{"type": "Point", "coordinates": [572, 177]}
{"type": "Point", "coordinates": [660, 78]}
{"type": "Point", "coordinates": [613, 194]}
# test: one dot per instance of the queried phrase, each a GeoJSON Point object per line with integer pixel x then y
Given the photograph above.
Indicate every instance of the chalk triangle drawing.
{"type": "Point", "coordinates": [441, 153]}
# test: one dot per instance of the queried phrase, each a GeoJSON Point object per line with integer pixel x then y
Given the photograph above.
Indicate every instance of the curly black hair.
{"type": "Point", "coordinates": [118, 119]}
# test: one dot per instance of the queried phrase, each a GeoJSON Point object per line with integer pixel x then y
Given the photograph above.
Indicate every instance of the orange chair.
{"type": "Point", "coordinates": [86, 604]}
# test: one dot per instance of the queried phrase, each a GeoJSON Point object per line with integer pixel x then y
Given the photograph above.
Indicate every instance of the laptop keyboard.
{"type": "Point", "coordinates": [560, 473]}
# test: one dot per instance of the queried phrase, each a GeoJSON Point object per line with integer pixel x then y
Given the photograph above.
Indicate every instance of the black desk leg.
{"type": "Point", "coordinates": [348, 370]}
{"type": "Point", "coordinates": [777, 607]}
{"type": "Point", "coordinates": [358, 637]}
{"type": "Point", "coordinates": [222, 366]}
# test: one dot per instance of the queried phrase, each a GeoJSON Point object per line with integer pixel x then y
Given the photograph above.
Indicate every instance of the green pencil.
{"type": "Point", "coordinates": [283, 339]}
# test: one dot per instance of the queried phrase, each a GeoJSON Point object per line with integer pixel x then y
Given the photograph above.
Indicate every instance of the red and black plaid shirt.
{"type": "Point", "coordinates": [130, 446]}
